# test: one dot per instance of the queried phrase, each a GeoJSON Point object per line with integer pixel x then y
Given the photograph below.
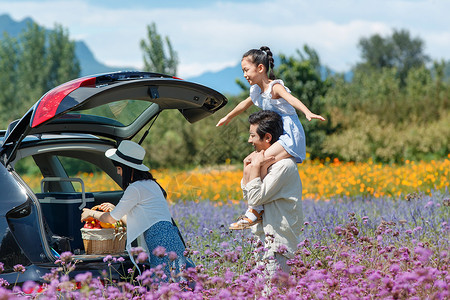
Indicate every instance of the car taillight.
{"type": "Point", "coordinates": [49, 103]}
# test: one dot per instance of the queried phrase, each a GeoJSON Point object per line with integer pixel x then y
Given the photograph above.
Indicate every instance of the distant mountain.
{"type": "Point", "coordinates": [225, 80]}
{"type": "Point", "coordinates": [88, 63]}
{"type": "Point", "coordinates": [12, 27]}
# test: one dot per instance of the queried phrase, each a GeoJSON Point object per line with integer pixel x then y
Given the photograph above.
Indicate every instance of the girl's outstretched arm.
{"type": "Point", "coordinates": [278, 91]}
{"type": "Point", "coordinates": [240, 108]}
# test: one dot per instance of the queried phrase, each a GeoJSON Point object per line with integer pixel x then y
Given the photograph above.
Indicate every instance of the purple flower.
{"type": "Point", "coordinates": [142, 257]}
{"type": "Point", "coordinates": [394, 268]}
{"type": "Point", "coordinates": [84, 278]}
{"type": "Point", "coordinates": [418, 228]}
{"type": "Point", "coordinates": [355, 269]}
{"type": "Point", "coordinates": [340, 265]}
{"type": "Point", "coordinates": [107, 258]}
{"type": "Point", "coordinates": [135, 251]}
{"type": "Point", "coordinates": [19, 268]}
{"type": "Point", "coordinates": [374, 276]}
{"type": "Point", "coordinates": [282, 249]}
{"type": "Point", "coordinates": [306, 252]}
{"type": "Point", "coordinates": [408, 276]}
{"type": "Point", "coordinates": [423, 253]}
{"type": "Point", "coordinates": [159, 251]}
{"type": "Point", "coordinates": [29, 287]}
{"type": "Point", "coordinates": [173, 255]}
{"type": "Point", "coordinates": [66, 257]}
{"type": "Point", "coordinates": [338, 230]}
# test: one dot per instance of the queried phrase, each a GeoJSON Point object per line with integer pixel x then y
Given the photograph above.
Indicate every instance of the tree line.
{"type": "Point", "coordinates": [30, 65]}
{"type": "Point", "coordinates": [394, 107]}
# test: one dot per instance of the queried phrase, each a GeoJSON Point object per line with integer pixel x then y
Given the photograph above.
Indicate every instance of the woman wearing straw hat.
{"type": "Point", "coordinates": [146, 210]}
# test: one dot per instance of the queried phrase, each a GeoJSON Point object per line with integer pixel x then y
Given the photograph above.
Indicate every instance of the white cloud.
{"type": "Point", "coordinates": [216, 35]}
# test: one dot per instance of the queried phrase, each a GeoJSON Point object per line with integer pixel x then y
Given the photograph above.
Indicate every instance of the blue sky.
{"type": "Point", "coordinates": [211, 34]}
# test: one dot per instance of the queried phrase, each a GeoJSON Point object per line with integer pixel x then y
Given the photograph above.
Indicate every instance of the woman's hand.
{"type": "Point", "coordinates": [86, 214]}
{"type": "Point", "coordinates": [106, 206]}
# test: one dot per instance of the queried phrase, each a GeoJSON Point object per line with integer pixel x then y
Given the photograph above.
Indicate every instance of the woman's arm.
{"type": "Point", "coordinates": [278, 91]}
{"type": "Point", "coordinates": [102, 216]}
{"type": "Point", "coordinates": [240, 108]}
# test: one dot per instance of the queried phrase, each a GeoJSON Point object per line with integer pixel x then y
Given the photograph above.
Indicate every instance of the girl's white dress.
{"type": "Point", "coordinates": [293, 138]}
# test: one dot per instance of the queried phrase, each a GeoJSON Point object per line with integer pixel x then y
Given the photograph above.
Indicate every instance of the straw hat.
{"type": "Point", "coordinates": [128, 153]}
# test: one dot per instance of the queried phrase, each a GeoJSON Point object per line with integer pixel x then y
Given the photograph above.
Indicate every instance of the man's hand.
{"type": "Point", "coordinates": [258, 159]}
{"type": "Point", "coordinates": [248, 159]}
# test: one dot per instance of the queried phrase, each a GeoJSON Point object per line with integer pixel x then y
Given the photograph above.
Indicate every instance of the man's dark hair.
{"type": "Point", "coordinates": [268, 122]}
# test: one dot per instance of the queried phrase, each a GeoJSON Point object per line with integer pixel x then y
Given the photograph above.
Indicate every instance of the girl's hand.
{"type": "Point", "coordinates": [224, 121]}
{"type": "Point", "coordinates": [311, 116]}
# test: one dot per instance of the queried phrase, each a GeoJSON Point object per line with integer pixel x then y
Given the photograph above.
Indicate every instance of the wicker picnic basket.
{"type": "Point", "coordinates": [104, 240]}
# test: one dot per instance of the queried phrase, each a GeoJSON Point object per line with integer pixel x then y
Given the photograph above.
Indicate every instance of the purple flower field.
{"type": "Point", "coordinates": [355, 248]}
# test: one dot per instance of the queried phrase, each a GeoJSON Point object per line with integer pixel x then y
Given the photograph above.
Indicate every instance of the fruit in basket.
{"type": "Point", "coordinates": [92, 224]}
{"type": "Point", "coordinates": [106, 225]}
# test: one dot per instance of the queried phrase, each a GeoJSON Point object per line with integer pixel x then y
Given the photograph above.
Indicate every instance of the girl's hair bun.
{"type": "Point", "coordinates": [263, 56]}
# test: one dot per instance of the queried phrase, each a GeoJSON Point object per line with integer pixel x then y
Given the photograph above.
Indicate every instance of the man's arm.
{"type": "Point", "coordinates": [254, 162]}
{"type": "Point", "coordinates": [265, 191]}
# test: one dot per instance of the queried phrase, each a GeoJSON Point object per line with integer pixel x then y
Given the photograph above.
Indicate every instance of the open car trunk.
{"type": "Point", "coordinates": [80, 120]}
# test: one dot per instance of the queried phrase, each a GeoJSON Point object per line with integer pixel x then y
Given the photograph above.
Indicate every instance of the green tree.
{"type": "Point", "coordinates": [378, 118]}
{"type": "Point", "coordinates": [8, 77]}
{"type": "Point", "coordinates": [31, 69]}
{"type": "Point", "coordinates": [155, 57]}
{"type": "Point", "coordinates": [61, 62]}
{"type": "Point", "coordinates": [399, 51]}
{"type": "Point", "coordinates": [30, 65]}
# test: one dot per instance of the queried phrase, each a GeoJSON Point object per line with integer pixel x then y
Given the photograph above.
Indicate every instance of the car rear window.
{"type": "Point", "coordinates": [119, 113]}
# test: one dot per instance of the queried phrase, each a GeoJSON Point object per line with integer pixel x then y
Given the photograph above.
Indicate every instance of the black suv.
{"type": "Point", "coordinates": [77, 122]}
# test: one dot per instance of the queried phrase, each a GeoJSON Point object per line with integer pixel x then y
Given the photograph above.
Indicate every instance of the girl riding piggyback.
{"type": "Point", "coordinates": [269, 93]}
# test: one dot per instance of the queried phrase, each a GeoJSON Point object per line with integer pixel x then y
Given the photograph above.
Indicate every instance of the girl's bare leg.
{"type": "Point", "coordinates": [253, 213]}
{"type": "Point", "coordinates": [278, 152]}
